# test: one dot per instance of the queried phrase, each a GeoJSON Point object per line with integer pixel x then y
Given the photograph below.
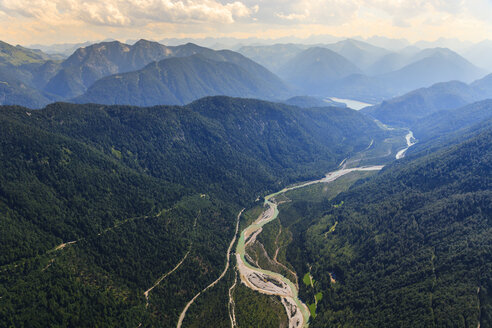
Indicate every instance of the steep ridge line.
{"type": "Point", "coordinates": [233, 241]}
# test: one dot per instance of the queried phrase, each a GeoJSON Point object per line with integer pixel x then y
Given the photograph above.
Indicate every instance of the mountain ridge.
{"type": "Point", "coordinates": [180, 80]}
{"type": "Point", "coordinates": [405, 110]}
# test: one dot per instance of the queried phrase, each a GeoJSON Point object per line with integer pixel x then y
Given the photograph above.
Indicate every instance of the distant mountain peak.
{"type": "Point", "coordinates": [144, 41]}
{"type": "Point", "coordinates": [314, 69]}
{"type": "Point", "coordinates": [99, 47]}
{"type": "Point", "coordinates": [191, 45]}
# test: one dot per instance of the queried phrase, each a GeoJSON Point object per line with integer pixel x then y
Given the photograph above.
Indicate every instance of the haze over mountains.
{"type": "Point", "coordinates": [314, 69]}
{"type": "Point", "coordinates": [408, 72]}
{"type": "Point", "coordinates": [54, 80]}
{"type": "Point", "coordinates": [350, 69]}
{"type": "Point", "coordinates": [367, 73]}
{"type": "Point", "coordinates": [181, 80]}
{"type": "Point", "coordinates": [360, 53]}
{"type": "Point", "coordinates": [89, 64]}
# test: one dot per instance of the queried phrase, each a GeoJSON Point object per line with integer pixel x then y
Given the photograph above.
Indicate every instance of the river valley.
{"type": "Point", "coordinates": [272, 283]}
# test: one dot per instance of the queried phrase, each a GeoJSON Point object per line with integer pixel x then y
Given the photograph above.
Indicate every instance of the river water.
{"type": "Point", "coordinates": [410, 142]}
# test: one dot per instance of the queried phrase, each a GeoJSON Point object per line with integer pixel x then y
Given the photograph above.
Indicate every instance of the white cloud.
{"type": "Point", "coordinates": [291, 17]}
{"type": "Point", "coordinates": [407, 9]}
{"type": "Point", "coordinates": [179, 11]}
{"type": "Point", "coordinates": [326, 12]}
{"type": "Point", "coordinates": [128, 12]}
{"type": "Point", "coordinates": [332, 12]}
{"type": "Point", "coordinates": [102, 13]}
{"type": "Point", "coordinates": [83, 19]}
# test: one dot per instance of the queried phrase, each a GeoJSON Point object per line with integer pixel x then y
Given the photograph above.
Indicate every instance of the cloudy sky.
{"type": "Point", "coordinates": [56, 21]}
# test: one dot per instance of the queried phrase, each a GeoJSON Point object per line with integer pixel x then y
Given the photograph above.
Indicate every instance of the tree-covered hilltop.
{"type": "Point", "coordinates": [89, 64]}
{"type": "Point", "coordinates": [408, 248]}
{"type": "Point", "coordinates": [56, 189]}
{"type": "Point", "coordinates": [98, 202]}
{"type": "Point", "coordinates": [181, 80]}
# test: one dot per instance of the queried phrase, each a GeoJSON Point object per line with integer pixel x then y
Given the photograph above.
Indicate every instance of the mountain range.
{"type": "Point", "coordinates": [272, 57]}
{"type": "Point", "coordinates": [361, 53]}
{"type": "Point", "coordinates": [181, 80]}
{"type": "Point", "coordinates": [34, 80]}
{"type": "Point", "coordinates": [19, 71]}
{"type": "Point", "coordinates": [89, 64]}
{"type": "Point", "coordinates": [354, 69]}
{"type": "Point", "coordinates": [423, 69]}
{"type": "Point", "coordinates": [415, 105]}
{"type": "Point", "coordinates": [349, 69]}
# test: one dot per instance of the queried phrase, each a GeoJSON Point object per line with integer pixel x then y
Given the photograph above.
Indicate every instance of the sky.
{"type": "Point", "coordinates": [69, 21]}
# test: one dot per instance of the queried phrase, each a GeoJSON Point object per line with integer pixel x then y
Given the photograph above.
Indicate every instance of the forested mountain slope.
{"type": "Point", "coordinates": [410, 247]}
{"type": "Point", "coordinates": [17, 56]}
{"type": "Point", "coordinates": [97, 203]}
{"type": "Point", "coordinates": [88, 65]}
{"type": "Point", "coordinates": [445, 122]}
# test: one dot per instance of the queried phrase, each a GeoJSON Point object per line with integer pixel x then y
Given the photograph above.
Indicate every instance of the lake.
{"type": "Point", "coordinates": [354, 104]}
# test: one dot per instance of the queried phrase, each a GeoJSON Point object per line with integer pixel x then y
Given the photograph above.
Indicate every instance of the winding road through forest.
{"type": "Point", "coordinates": [233, 241]}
